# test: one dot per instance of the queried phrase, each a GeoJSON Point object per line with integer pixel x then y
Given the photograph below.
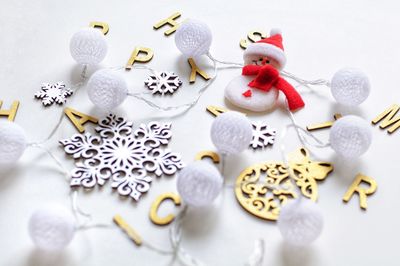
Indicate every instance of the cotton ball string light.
{"type": "Point", "coordinates": [350, 86]}
{"type": "Point", "coordinates": [88, 46]}
{"type": "Point", "coordinates": [193, 38]}
{"type": "Point", "coordinates": [199, 183]}
{"type": "Point", "coordinates": [300, 222]}
{"type": "Point", "coordinates": [107, 89]}
{"type": "Point", "coordinates": [51, 228]}
{"type": "Point", "coordinates": [12, 142]}
{"type": "Point", "coordinates": [350, 136]}
{"type": "Point", "coordinates": [231, 133]}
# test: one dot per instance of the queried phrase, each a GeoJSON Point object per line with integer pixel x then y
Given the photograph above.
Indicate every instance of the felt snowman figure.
{"type": "Point", "coordinates": [257, 89]}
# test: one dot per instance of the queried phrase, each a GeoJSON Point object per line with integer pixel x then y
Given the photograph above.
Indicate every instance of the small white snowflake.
{"type": "Point", "coordinates": [263, 135]}
{"type": "Point", "coordinates": [126, 158]}
{"type": "Point", "coordinates": [163, 82]}
{"type": "Point", "coordinates": [50, 93]}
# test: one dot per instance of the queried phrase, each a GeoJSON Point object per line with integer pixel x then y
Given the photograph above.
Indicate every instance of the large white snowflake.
{"type": "Point", "coordinates": [163, 82]}
{"type": "Point", "coordinates": [126, 157]}
{"type": "Point", "coordinates": [50, 93]}
{"type": "Point", "coordinates": [263, 135]}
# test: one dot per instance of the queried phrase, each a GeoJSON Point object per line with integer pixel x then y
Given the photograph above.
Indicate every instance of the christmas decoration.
{"type": "Point", "coordinates": [156, 204]}
{"type": "Point", "coordinates": [359, 186]}
{"type": "Point", "coordinates": [350, 86]}
{"type": "Point", "coordinates": [52, 228]}
{"type": "Point", "coordinates": [300, 222]}
{"type": "Point", "coordinates": [231, 133]}
{"type": "Point", "coordinates": [258, 87]}
{"type": "Point", "coordinates": [53, 93]}
{"type": "Point", "coordinates": [125, 158]}
{"type": "Point", "coordinates": [199, 183]}
{"type": "Point", "coordinates": [107, 89]}
{"type": "Point", "coordinates": [88, 46]}
{"type": "Point", "coordinates": [263, 188]}
{"type": "Point", "coordinates": [193, 38]}
{"type": "Point", "coordinates": [163, 82]}
{"type": "Point", "coordinates": [12, 142]}
{"type": "Point", "coordinates": [350, 136]}
{"type": "Point", "coordinates": [263, 135]}
{"type": "Point", "coordinates": [10, 113]}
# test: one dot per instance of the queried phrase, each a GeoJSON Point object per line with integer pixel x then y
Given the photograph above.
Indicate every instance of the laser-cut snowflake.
{"type": "Point", "coordinates": [263, 135]}
{"type": "Point", "coordinates": [163, 82]}
{"type": "Point", "coordinates": [53, 93]}
{"type": "Point", "coordinates": [124, 157]}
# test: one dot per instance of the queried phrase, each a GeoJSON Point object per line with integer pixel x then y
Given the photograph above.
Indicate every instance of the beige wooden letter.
{"type": "Point", "coordinates": [253, 36]}
{"type": "Point", "coordinates": [10, 113]}
{"type": "Point", "coordinates": [156, 204]}
{"type": "Point", "coordinates": [79, 119]}
{"type": "Point", "coordinates": [196, 70]}
{"type": "Point", "coordinates": [388, 118]}
{"type": "Point", "coordinates": [362, 192]}
{"type": "Point", "coordinates": [148, 55]}
{"type": "Point", "coordinates": [100, 25]}
{"type": "Point", "coordinates": [169, 21]}
{"type": "Point", "coordinates": [132, 234]}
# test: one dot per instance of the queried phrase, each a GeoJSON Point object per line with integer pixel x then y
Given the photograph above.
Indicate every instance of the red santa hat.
{"type": "Point", "coordinates": [271, 47]}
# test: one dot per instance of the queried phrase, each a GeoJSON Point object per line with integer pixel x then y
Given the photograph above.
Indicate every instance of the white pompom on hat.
{"type": "Point", "coordinates": [271, 47]}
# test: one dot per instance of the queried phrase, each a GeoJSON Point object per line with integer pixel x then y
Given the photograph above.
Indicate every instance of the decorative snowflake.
{"type": "Point", "coordinates": [50, 93]}
{"type": "Point", "coordinates": [163, 82]}
{"type": "Point", "coordinates": [124, 157]}
{"type": "Point", "coordinates": [263, 135]}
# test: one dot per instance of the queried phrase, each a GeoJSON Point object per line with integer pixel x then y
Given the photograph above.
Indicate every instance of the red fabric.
{"type": "Point", "coordinates": [275, 40]}
{"type": "Point", "coordinates": [267, 77]}
{"type": "Point", "coordinates": [247, 93]}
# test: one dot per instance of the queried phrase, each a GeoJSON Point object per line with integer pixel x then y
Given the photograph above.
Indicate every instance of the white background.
{"type": "Point", "coordinates": [319, 36]}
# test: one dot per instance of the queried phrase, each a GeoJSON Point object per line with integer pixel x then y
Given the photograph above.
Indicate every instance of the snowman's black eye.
{"type": "Point", "coordinates": [260, 59]}
{"type": "Point", "coordinates": [267, 61]}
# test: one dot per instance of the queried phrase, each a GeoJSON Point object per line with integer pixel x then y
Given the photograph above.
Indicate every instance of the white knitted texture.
{"type": "Point", "coordinates": [193, 38]}
{"type": "Point", "coordinates": [199, 183]}
{"type": "Point", "coordinates": [51, 228]}
{"type": "Point", "coordinates": [88, 46]}
{"type": "Point", "coordinates": [12, 142]}
{"type": "Point", "coordinates": [350, 86]}
{"type": "Point", "coordinates": [300, 222]}
{"type": "Point", "coordinates": [231, 133]}
{"type": "Point", "coordinates": [350, 136]}
{"type": "Point", "coordinates": [260, 101]}
{"type": "Point", "coordinates": [107, 89]}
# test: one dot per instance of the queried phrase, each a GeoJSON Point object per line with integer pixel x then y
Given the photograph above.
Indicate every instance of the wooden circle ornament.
{"type": "Point", "coordinates": [263, 188]}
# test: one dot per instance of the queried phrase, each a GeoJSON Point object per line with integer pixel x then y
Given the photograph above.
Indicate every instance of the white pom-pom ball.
{"type": "Point", "coordinates": [193, 38]}
{"type": "Point", "coordinates": [350, 136]}
{"type": "Point", "coordinates": [107, 89]}
{"type": "Point", "coordinates": [88, 46]}
{"type": "Point", "coordinates": [231, 133]}
{"type": "Point", "coordinates": [51, 228]}
{"type": "Point", "coordinates": [12, 142]}
{"type": "Point", "coordinates": [300, 222]}
{"type": "Point", "coordinates": [199, 183]}
{"type": "Point", "coordinates": [350, 86]}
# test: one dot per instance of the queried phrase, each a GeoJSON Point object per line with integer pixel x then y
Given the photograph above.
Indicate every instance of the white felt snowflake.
{"type": "Point", "coordinates": [50, 93]}
{"type": "Point", "coordinates": [163, 82]}
{"type": "Point", "coordinates": [126, 157]}
{"type": "Point", "coordinates": [263, 135]}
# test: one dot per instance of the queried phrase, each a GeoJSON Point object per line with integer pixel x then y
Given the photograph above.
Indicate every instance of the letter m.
{"type": "Point", "coordinates": [388, 118]}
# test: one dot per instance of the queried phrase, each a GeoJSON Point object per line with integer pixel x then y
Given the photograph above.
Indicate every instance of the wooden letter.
{"type": "Point", "coordinates": [128, 229]}
{"type": "Point", "coordinates": [79, 119]}
{"type": "Point", "coordinates": [324, 125]}
{"type": "Point", "coordinates": [196, 70]}
{"type": "Point", "coordinates": [10, 113]}
{"type": "Point", "coordinates": [362, 192]}
{"type": "Point", "coordinates": [101, 25]}
{"type": "Point", "coordinates": [141, 59]}
{"type": "Point", "coordinates": [253, 36]}
{"type": "Point", "coordinates": [388, 118]}
{"type": "Point", "coordinates": [156, 204]}
{"type": "Point", "coordinates": [216, 111]}
{"type": "Point", "coordinates": [169, 21]}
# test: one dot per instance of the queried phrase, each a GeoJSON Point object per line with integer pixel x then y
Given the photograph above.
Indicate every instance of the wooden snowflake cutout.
{"type": "Point", "coordinates": [263, 135]}
{"type": "Point", "coordinates": [163, 82]}
{"type": "Point", "coordinates": [127, 158]}
{"type": "Point", "coordinates": [53, 93]}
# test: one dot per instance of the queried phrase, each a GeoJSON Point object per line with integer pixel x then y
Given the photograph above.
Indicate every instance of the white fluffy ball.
{"type": "Point", "coordinates": [350, 136]}
{"type": "Point", "coordinates": [193, 38]}
{"type": "Point", "coordinates": [12, 142]}
{"type": "Point", "coordinates": [107, 89]}
{"type": "Point", "coordinates": [51, 228]}
{"type": "Point", "coordinates": [88, 46]}
{"type": "Point", "coordinates": [350, 86]}
{"type": "Point", "coordinates": [300, 222]}
{"type": "Point", "coordinates": [231, 133]}
{"type": "Point", "coordinates": [199, 183]}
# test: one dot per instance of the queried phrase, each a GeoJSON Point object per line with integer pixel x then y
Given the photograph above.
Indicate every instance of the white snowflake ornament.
{"type": "Point", "coordinates": [126, 158]}
{"type": "Point", "coordinates": [263, 135]}
{"type": "Point", "coordinates": [53, 93]}
{"type": "Point", "coordinates": [163, 82]}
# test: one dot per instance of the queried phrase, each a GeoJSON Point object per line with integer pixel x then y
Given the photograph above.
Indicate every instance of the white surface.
{"type": "Point", "coordinates": [320, 37]}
